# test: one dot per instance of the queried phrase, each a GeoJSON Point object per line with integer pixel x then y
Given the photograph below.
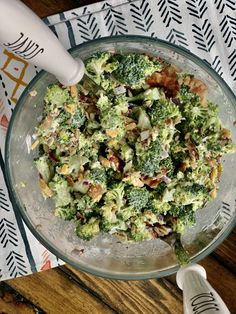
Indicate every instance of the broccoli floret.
{"type": "Point", "coordinates": [115, 195]}
{"type": "Point", "coordinates": [186, 96]}
{"type": "Point", "coordinates": [133, 69]}
{"type": "Point", "coordinates": [103, 103]}
{"type": "Point", "coordinates": [98, 137]}
{"type": "Point", "coordinates": [192, 193]}
{"type": "Point", "coordinates": [98, 176]}
{"type": "Point", "coordinates": [159, 206]}
{"type": "Point", "coordinates": [139, 198]}
{"type": "Point", "coordinates": [84, 204]}
{"type": "Point", "coordinates": [56, 95]}
{"type": "Point", "coordinates": [78, 118]}
{"type": "Point", "coordinates": [148, 160]}
{"type": "Point", "coordinates": [113, 123]}
{"type": "Point", "coordinates": [149, 94]}
{"type": "Point", "coordinates": [67, 212]}
{"type": "Point", "coordinates": [121, 104]}
{"type": "Point", "coordinates": [127, 153]}
{"type": "Point", "coordinates": [167, 164]}
{"type": "Point", "coordinates": [162, 110]}
{"type": "Point", "coordinates": [88, 230]}
{"type": "Point", "coordinates": [139, 231]}
{"type": "Point", "coordinates": [98, 65]}
{"type": "Point", "coordinates": [61, 188]}
{"type": "Point", "coordinates": [44, 168]}
{"type": "Point", "coordinates": [127, 212]}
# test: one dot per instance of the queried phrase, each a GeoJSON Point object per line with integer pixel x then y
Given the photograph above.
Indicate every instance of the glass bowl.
{"type": "Point", "coordinates": [105, 255]}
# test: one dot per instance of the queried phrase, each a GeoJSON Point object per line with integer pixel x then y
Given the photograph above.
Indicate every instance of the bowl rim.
{"type": "Point", "coordinates": [13, 197]}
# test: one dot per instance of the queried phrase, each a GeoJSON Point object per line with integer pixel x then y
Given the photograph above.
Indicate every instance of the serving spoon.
{"type": "Point", "coordinates": [30, 39]}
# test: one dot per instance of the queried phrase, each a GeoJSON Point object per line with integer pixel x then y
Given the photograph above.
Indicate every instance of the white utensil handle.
{"type": "Point", "coordinates": [23, 33]}
{"type": "Point", "coordinates": [199, 296]}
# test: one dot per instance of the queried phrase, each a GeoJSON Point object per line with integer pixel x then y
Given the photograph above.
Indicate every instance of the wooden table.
{"type": "Point", "coordinates": [67, 290]}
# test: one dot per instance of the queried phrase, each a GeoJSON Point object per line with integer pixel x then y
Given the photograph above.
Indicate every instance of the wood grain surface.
{"type": "Point", "coordinates": [67, 290]}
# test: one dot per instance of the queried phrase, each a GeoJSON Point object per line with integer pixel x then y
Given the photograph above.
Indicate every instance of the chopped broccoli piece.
{"type": "Point", "coordinates": [84, 203]}
{"type": "Point", "coordinates": [98, 65]}
{"type": "Point", "coordinates": [149, 94]}
{"type": "Point", "coordinates": [103, 103]}
{"type": "Point", "coordinates": [139, 198]}
{"type": "Point", "coordinates": [78, 118]}
{"type": "Point", "coordinates": [139, 231]}
{"type": "Point", "coordinates": [162, 110]}
{"type": "Point", "coordinates": [134, 68]}
{"type": "Point", "coordinates": [167, 164]}
{"type": "Point", "coordinates": [89, 230]}
{"type": "Point", "coordinates": [113, 123]}
{"type": "Point", "coordinates": [61, 188]}
{"type": "Point", "coordinates": [98, 176]}
{"type": "Point", "coordinates": [121, 104]}
{"type": "Point", "coordinates": [67, 212]}
{"type": "Point", "coordinates": [143, 120]}
{"type": "Point", "coordinates": [127, 153]}
{"type": "Point", "coordinates": [115, 195]}
{"type": "Point", "coordinates": [186, 96]}
{"type": "Point", "coordinates": [127, 212]}
{"type": "Point", "coordinates": [186, 194]}
{"type": "Point", "coordinates": [148, 160]}
{"type": "Point", "coordinates": [44, 168]}
{"type": "Point", "coordinates": [56, 95]}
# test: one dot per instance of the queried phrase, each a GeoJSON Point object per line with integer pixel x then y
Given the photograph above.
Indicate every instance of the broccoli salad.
{"type": "Point", "coordinates": [135, 158]}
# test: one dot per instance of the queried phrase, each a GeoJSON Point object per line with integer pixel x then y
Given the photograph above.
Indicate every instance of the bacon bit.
{"type": "Point", "coordinates": [70, 180]}
{"type": "Point", "coordinates": [35, 144]}
{"type": "Point", "coordinates": [52, 156]}
{"type": "Point", "coordinates": [71, 108]}
{"type": "Point", "coordinates": [197, 86]}
{"type": "Point", "coordinates": [114, 162]}
{"type": "Point", "coordinates": [167, 79]}
{"type": "Point", "coordinates": [183, 166]}
{"type": "Point", "coordinates": [161, 230]}
{"type": "Point", "coordinates": [45, 188]}
{"type": "Point", "coordinates": [96, 192]}
{"type": "Point", "coordinates": [47, 123]}
{"type": "Point", "coordinates": [225, 134]}
{"type": "Point", "coordinates": [192, 151]}
{"type": "Point", "coordinates": [92, 108]}
{"type": "Point", "coordinates": [152, 182]}
{"type": "Point", "coordinates": [80, 217]}
{"type": "Point", "coordinates": [74, 91]}
{"type": "Point", "coordinates": [104, 162]}
{"type": "Point", "coordinates": [112, 133]}
{"type": "Point", "coordinates": [130, 126]}
{"type": "Point", "coordinates": [211, 162]}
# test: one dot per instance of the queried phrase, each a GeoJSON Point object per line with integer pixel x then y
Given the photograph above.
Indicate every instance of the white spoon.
{"type": "Point", "coordinates": [23, 33]}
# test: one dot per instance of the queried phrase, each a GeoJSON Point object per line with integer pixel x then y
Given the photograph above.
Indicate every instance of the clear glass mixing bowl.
{"type": "Point", "coordinates": [105, 255]}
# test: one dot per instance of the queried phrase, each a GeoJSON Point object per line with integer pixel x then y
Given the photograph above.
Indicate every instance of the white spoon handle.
{"type": "Point", "coordinates": [23, 33]}
{"type": "Point", "coordinates": [199, 296]}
